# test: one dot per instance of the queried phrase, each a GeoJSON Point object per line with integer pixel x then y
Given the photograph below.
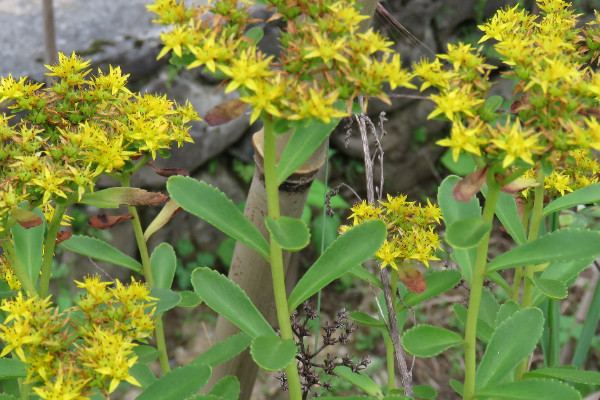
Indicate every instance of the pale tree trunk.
{"type": "Point", "coordinates": [50, 56]}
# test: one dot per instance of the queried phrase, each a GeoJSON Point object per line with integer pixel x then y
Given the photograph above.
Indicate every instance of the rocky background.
{"type": "Point", "coordinates": [121, 33]}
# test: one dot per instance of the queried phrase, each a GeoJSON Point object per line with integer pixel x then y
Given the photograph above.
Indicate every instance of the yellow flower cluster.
{"type": "Point", "coordinates": [579, 169]}
{"type": "Point", "coordinates": [410, 227]}
{"type": "Point", "coordinates": [557, 92]}
{"type": "Point", "coordinates": [8, 275]}
{"type": "Point", "coordinates": [67, 355]}
{"type": "Point", "coordinates": [324, 57]}
{"type": "Point", "coordinates": [79, 127]}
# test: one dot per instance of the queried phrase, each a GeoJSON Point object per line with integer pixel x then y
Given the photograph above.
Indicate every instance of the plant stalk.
{"type": "Point", "coordinates": [477, 289]}
{"type": "Point", "coordinates": [49, 245]}
{"type": "Point", "coordinates": [283, 316]}
{"type": "Point", "coordinates": [161, 345]}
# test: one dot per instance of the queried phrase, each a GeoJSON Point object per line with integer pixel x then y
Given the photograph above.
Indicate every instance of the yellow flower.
{"type": "Point", "coordinates": [517, 143]}
{"type": "Point", "coordinates": [464, 138]}
{"type": "Point", "coordinates": [388, 254]}
{"type": "Point", "coordinates": [456, 101]}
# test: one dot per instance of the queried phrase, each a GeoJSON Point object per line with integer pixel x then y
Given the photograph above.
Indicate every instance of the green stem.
{"type": "Point", "coordinates": [9, 249]}
{"type": "Point", "coordinates": [49, 245]}
{"type": "Point", "coordinates": [283, 316]}
{"type": "Point", "coordinates": [161, 345]}
{"type": "Point", "coordinates": [537, 217]}
{"type": "Point", "coordinates": [519, 270]}
{"type": "Point", "coordinates": [391, 362]}
{"type": "Point", "coordinates": [477, 289]}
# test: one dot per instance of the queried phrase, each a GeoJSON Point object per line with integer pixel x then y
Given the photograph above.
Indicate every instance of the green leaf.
{"type": "Point", "coordinates": [453, 210]}
{"type": "Point", "coordinates": [361, 273]}
{"type": "Point", "coordinates": [530, 389]}
{"type": "Point", "coordinates": [324, 230]}
{"type": "Point", "coordinates": [467, 232]}
{"type": "Point", "coordinates": [290, 233]}
{"type": "Point", "coordinates": [551, 288]}
{"type": "Point", "coordinates": [229, 300]}
{"type": "Point", "coordinates": [506, 210]}
{"type": "Point", "coordinates": [178, 384]}
{"type": "Point", "coordinates": [167, 299]}
{"type": "Point", "coordinates": [163, 262]}
{"type": "Point", "coordinates": [189, 299]}
{"type": "Point", "coordinates": [145, 353]}
{"type": "Point", "coordinates": [585, 195]}
{"type": "Point", "coordinates": [255, 33]}
{"type": "Point", "coordinates": [424, 392]}
{"type": "Point", "coordinates": [506, 311]}
{"type": "Point", "coordinates": [29, 244]}
{"type": "Point", "coordinates": [8, 397]}
{"type": "Point", "coordinates": [463, 166]}
{"type": "Point", "coordinates": [559, 246]}
{"type": "Point", "coordinates": [457, 386]}
{"type": "Point", "coordinates": [271, 353]}
{"type": "Point", "coordinates": [99, 250]}
{"type": "Point", "coordinates": [224, 350]}
{"type": "Point", "coordinates": [565, 272]}
{"type": "Point", "coordinates": [210, 204]}
{"type": "Point", "coordinates": [316, 197]}
{"type": "Point", "coordinates": [568, 373]}
{"type": "Point", "coordinates": [492, 103]}
{"type": "Point", "coordinates": [437, 283]}
{"type": "Point", "coordinates": [143, 374]}
{"type": "Point", "coordinates": [227, 388]}
{"type": "Point", "coordinates": [365, 319]}
{"type": "Point", "coordinates": [12, 368]}
{"type": "Point", "coordinates": [428, 341]}
{"type": "Point", "coordinates": [511, 343]}
{"type": "Point", "coordinates": [355, 246]}
{"type": "Point", "coordinates": [360, 380]}
{"type": "Point", "coordinates": [307, 138]}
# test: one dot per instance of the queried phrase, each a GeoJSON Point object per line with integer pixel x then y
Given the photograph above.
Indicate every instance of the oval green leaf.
{"type": "Point", "coordinates": [229, 300]}
{"type": "Point", "coordinates": [424, 392]}
{"type": "Point", "coordinates": [437, 283]}
{"type": "Point", "coordinates": [452, 211]}
{"type": "Point", "coordinates": [167, 299]}
{"type": "Point", "coordinates": [227, 388]}
{"type": "Point", "coordinates": [163, 262]}
{"type": "Point", "coordinates": [428, 341]}
{"type": "Point", "coordinates": [530, 389]}
{"type": "Point", "coordinates": [585, 195]}
{"type": "Point", "coordinates": [511, 343]}
{"type": "Point", "coordinates": [360, 380]}
{"type": "Point", "coordinates": [271, 353]}
{"type": "Point", "coordinates": [307, 138]}
{"type": "Point", "coordinates": [569, 374]}
{"type": "Point", "coordinates": [467, 232]}
{"type": "Point", "coordinates": [143, 374]}
{"type": "Point", "coordinates": [365, 319]}
{"type": "Point", "coordinates": [29, 244]}
{"type": "Point", "coordinates": [560, 246]}
{"type": "Point", "coordinates": [353, 247]}
{"type": "Point", "coordinates": [210, 204]}
{"type": "Point", "coordinates": [145, 353]}
{"type": "Point", "coordinates": [551, 288]}
{"type": "Point", "coordinates": [225, 350]}
{"type": "Point", "coordinates": [99, 250]}
{"type": "Point", "coordinates": [189, 299]}
{"type": "Point", "coordinates": [178, 384]}
{"type": "Point", "coordinates": [290, 233]}
{"type": "Point", "coordinates": [12, 368]}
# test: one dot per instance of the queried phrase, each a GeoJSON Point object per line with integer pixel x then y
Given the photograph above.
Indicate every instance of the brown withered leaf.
{"type": "Point", "coordinates": [467, 187]}
{"type": "Point", "coordinates": [27, 219]}
{"type": "Point", "coordinates": [413, 279]}
{"type": "Point", "coordinates": [518, 185]}
{"type": "Point", "coordinates": [225, 112]}
{"type": "Point", "coordinates": [104, 221]}
{"type": "Point", "coordinates": [142, 197]}
{"type": "Point", "coordinates": [168, 171]}
{"type": "Point", "coordinates": [62, 236]}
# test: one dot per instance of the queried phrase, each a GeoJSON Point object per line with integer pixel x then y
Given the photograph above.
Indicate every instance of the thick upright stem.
{"type": "Point", "coordinates": [163, 357]}
{"type": "Point", "coordinates": [477, 289]}
{"type": "Point", "coordinates": [49, 245]}
{"type": "Point", "coordinates": [283, 316]}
